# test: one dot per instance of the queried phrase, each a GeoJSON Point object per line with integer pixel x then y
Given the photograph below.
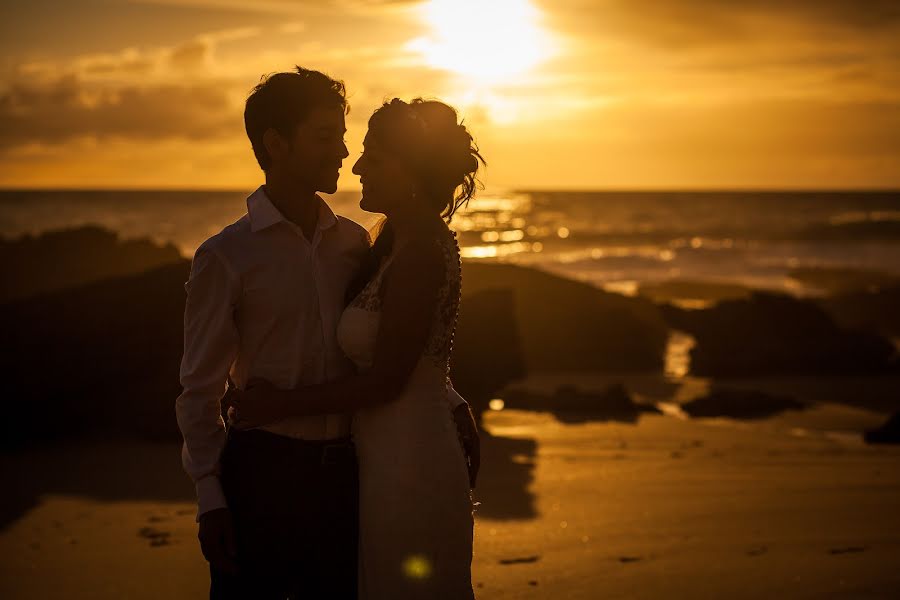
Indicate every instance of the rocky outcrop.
{"type": "Point", "coordinates": [565, 325]}
{"type": "Point", "coordinates": [569, 404]}
{"type": "Point", "coordinates": [740, 404]}
{"type": "Point", "coordinates": [62, 259]}
{"type": "Point", "coordinates": [768, 334]}
{"type": "Point", "coordinates": [889, 433]}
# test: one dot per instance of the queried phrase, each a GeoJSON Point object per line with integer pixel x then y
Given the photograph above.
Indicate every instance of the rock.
{"type": "Point", "coordinates": [740, 404]}
{"type": "Point", "coordinates": [836, 280]}
{"type": "Point", "coordinates": [680, 290]}
{"type": "Point", "coordinates": [889, 433]}
{"type": "Point", "coordinates": [101, 358]}
{"type": "Point", "coordinates": [487, 353]}
{"type": "Point", "coordinates": [570, 326]}
{"type": "Point", "coordinates": [874, 310]}
{"type": "Point", "coordinates": [61, 259]}
{"type": "Point", "coordinates": [768, 334]}
{"type": "Point", "coordinates": [570, 405]}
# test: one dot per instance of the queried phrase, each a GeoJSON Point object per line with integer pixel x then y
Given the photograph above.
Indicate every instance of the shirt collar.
{"type": "Point", "coordinates": [327, 218]}
{"type": "Point", "coordinates": [263, 213]}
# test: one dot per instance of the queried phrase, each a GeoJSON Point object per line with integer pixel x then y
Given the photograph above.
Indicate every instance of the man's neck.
{"type": "Point", "coordinates": [300, 207]}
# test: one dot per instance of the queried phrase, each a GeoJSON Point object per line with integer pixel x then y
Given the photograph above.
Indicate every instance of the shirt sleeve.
{"type": "Point", "coordinates": [210, 347]}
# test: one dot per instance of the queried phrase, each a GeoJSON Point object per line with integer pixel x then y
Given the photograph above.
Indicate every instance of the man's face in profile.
{"type": "Point", "coordinates": [317, 150]}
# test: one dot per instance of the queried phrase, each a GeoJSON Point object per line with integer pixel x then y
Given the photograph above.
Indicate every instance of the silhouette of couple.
{"type": "Point", "coordinates": [346, 464]}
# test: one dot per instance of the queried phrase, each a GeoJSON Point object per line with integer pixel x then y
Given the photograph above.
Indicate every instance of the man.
{"type": "Point", "coordinates": [278, 504]}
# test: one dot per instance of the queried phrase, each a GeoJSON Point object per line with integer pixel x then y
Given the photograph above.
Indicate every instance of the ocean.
{"type": "Point", "coordinates": [620, 241]}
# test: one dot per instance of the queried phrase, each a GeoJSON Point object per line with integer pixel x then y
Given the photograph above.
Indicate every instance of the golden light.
{"type": "Point", "coordinates": [417, 567]}
{"type": "Point", "coordinates": [495, 251]}
{"type": "Point", "coordinates": [478, 252]}
{"type": "Point", "coordinates": [496, 404]}
{"type": "Point", "coordinates": [490, 41]}
{"type": "Point", "coordinates": [512, 236]}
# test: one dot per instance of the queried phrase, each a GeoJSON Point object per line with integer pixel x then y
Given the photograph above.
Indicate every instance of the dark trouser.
{"type": "Point", "coordinates": [295, 506]}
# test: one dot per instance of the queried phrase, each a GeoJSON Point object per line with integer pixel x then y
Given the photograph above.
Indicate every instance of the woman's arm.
{"type": "Point", "coordinates": [411, 289]}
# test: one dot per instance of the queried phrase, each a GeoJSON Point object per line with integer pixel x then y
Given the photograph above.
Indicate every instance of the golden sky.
{"type": "Point", "coordinates": [562, 94]}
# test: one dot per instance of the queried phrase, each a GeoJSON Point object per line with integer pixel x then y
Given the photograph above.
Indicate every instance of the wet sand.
{"type": "Point", "coordinates": [795, 506]}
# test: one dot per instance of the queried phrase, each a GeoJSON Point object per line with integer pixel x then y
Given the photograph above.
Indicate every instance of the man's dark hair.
{"type": "Point", "coordinates": [281, 101]}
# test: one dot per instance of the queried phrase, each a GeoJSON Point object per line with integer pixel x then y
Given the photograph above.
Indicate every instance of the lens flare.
{"type": "Point", "coordinates": [417, 567]}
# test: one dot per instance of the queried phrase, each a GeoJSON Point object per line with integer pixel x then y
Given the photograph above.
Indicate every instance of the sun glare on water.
{"type": "Point", "coordinates": [485, 40]}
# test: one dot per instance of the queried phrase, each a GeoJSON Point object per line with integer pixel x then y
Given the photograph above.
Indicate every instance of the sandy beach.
{"type": "Point", "coordinates": [792, 506]}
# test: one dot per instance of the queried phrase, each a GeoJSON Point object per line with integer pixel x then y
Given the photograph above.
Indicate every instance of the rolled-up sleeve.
{"type": "Point", "coordinates": [210, 347]}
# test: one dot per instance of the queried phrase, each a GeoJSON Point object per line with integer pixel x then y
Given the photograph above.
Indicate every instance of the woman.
{"type": "Point", "coordinates": [418, 167]}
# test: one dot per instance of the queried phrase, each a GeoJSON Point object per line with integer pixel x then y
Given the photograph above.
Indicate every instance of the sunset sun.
{"type": "Point", "coordinates": [499, 40]}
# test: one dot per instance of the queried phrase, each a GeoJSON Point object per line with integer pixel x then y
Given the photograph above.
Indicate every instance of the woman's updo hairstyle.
{"type": "Point", "coordinates": [439, 150]}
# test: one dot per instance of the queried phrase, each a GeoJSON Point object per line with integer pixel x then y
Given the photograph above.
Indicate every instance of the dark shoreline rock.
{"type": "Point", "coordinates": [62, 259]}
{"type": "Point", "coordinates": [740, 404]}
{"type": "Point", "coordinates": [874, 310]}
{"type": "Point", "coordinates": [487, 350]}
{"type": "Point", "coordinates": [889, 433]}
{"type": "Point", "coordinates": [836, 280]}
{"type": "Point", "coordinates": [677, 290]}
{"type": "Point", "coordinates": [100, 359]}
{"type": "Point", "coordinates": [566, 325]}
{"type": "Point", "coordinates": [569, 404]}
{"type": "Point", "coordinates": [772, 334]}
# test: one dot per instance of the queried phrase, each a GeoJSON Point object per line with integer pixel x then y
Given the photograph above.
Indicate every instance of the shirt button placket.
{"type": "Point", "coordinates": [320, 362]}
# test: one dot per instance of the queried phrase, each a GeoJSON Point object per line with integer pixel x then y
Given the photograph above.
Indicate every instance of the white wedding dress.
{"type": "Point", "coordinates": [414, 498]}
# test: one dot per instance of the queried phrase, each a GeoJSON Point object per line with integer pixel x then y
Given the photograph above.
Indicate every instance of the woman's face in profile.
{"type": "Point", "coordinates": [386, 182]}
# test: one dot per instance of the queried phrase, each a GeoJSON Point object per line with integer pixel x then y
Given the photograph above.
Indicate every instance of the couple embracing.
{"type": "Point", "coordinates": [331, 455]}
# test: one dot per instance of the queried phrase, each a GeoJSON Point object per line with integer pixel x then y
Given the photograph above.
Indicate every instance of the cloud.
{"type": "Point", "coordinates": [259, 6]}
{"type": "Point", "coordinates": [175, 91]}
{"type": "Point", "coordinates": [677, 25]}
{"type": "Point", "coordinates": [130, 62]}
{"type": "Point", "coordinates": [290, 7]}
{"type": "Point", "coordinates": [711, 53]}
{"type": "Point", "coordinates": [67, 109]}
{"type": "Point", "coordinates": [851, 14]}
{"type": "Point", "coordinates": [140, 65]}
{"type": "Point", "coordinates": [292, 27]}
{"type": "Point", "coordinates": [191, 55]}
{"type": "Point", "coordinates": [185, 90]}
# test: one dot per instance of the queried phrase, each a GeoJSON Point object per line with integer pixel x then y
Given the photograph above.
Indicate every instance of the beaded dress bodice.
{"type": "Point", "coordinates": [440, 338]}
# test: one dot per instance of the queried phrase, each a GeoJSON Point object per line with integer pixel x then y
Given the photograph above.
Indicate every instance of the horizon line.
{"type": "Point", "coordinates": [490, 192]}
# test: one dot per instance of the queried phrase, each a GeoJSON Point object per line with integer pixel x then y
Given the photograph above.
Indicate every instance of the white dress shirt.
{"type": "Point", "coordinates": [264, 302]}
